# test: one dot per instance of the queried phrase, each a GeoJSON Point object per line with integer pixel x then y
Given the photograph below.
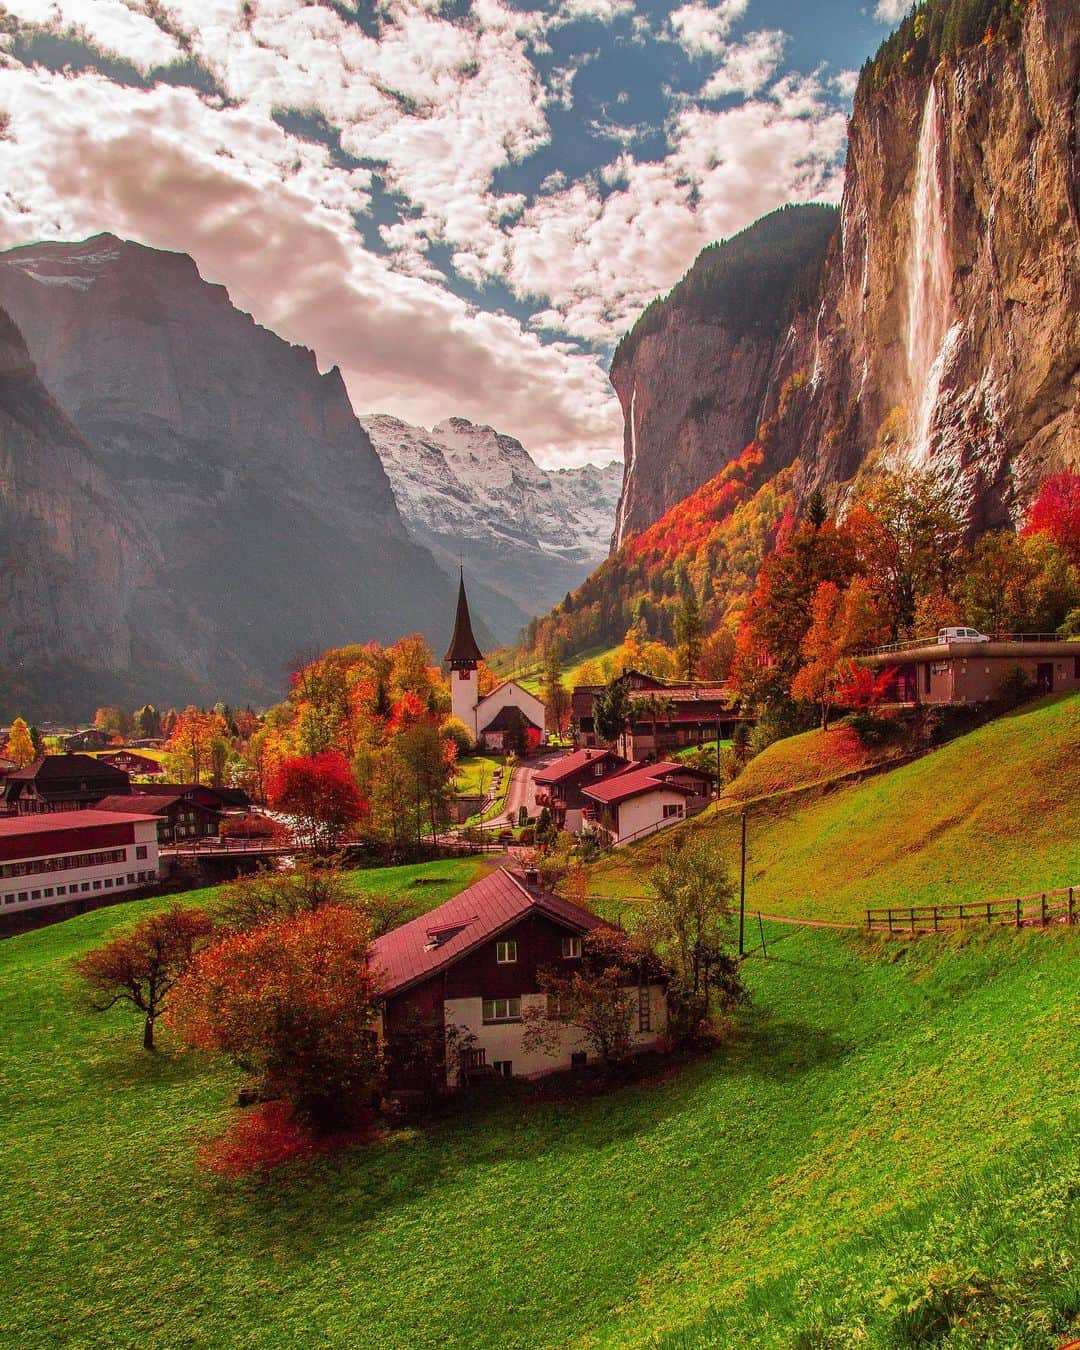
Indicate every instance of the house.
{"type": "Point", "coordinates": [645, 798]}
{"type": "Point", "coordinates": [487, 718]}
{"type": "Point", "coordinates": [92, 738]}
{"type": "Point", "coordinates": [472, 965]}
{"type": "Point", "coordinates": [180, 819]}
{"type": "Point", "coordinates": [62, 783]}
{"type": "Point", "coordinates": [560, 787]}
{"type": "Point", "coordinates": [670, 715]}
{"type": "Point", "coordinates": [132, 762]}
{"type": "Point", "coordinates": [957, 672]}
{"type": "Point", "coordinates": [51, 859]}
{"type": "Point", "coordinates": [234, 801]}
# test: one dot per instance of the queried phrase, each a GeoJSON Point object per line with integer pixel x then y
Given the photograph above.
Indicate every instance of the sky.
{"type": "Point", "coordinates": [462, 203]}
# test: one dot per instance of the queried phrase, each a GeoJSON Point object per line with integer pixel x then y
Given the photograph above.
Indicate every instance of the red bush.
{"type": "Point", "coordinates": [269, 1135]}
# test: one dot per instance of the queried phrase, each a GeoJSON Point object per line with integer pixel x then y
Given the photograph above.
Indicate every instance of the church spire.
{"type": "Point", "coordinates": [463, 652]}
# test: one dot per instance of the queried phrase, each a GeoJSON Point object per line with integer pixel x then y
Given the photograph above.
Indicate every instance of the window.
{"type": "Point", "coordinates": [48, 892]}
{"type": "Point", "coordinates": [644, 1008]}
{"type": "Point", "coordinates": [108, 883]}
{"type": "Point", "coordinates": [671, 809]}
{"type": "Point", "coordinates": [61, 890]}
{"type": "Point", "coordinates": [86, 885]}
{"type": "Point", "coordinates": [35, 895]}
{"type": "Point", "coordinates": [598, 769]}
{"type": "Point", "coordinates": [504, 1068]}
{"type": "Point", "coordinates": [502, 1009]}
{"type": "Point", "coordinates": [571, 948]}
{"type": "Point", "coordinates": [24, 895]}
{"type": "Point", "coordinates": [506, 953]}
{"type": "Point", "coordinates": [97, 886]}
{"type": "Point", "coordinates": [140, 851]}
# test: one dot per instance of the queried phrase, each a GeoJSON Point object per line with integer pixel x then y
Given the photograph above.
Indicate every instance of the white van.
{"type": "Point", "coordinates": [961, 635]}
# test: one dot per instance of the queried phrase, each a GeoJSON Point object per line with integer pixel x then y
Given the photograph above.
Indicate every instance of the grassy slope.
{"type": "Point", "coordinates": [993, 813]}
{"type": "Point", "coordinates": [875, 1121]}
{"type": "Point", "coordinates": [531, 681]}
{"type": "Point", "coordinates": [473, 771]}
{"type": "Point", "coordinates": [799, 761]}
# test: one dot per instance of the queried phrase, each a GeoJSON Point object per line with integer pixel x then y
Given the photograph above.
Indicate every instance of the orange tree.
{"type": "Point", "coordinates": [293, 1002]}
{"type": "Point", "coordinates": [141, 967]}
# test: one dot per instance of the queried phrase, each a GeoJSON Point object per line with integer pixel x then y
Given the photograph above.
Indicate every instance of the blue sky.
{"type": "Point", "coordinates": [461, 204]}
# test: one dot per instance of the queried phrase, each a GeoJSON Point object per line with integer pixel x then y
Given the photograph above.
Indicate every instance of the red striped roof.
{"type": "Point", "coordinates": [571, 764]}
{"type": "Point", "coordinates": [443, 936]}
{"type": "Point", "coordinates": [639, 779]}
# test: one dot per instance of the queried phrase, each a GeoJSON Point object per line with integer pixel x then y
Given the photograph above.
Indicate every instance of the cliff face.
{"type": "Point", "coordinates": [268, 509]}
{"type": "Point", "coordinates": [528, 534]}
{"type": "Point", "coordinates": [944, 331]}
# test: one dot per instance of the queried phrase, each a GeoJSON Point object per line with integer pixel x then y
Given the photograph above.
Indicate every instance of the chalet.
{"type": "Point", "coordinates": [133, 763]}
{"type": "Point", "coordinates": [51, 860]}
{"type": "Point", "coordinates": [62, 783]}
{"type": "Point", "coordinates": [473, 965]}
{"type": "Point", "coordinates": [488, 718]}
{"type": "Point", "coordinates": [669, 715]}
{"type": "Point", "coordinates": [937, 671]}
{"type": "Point", "coordinates": [221, 799]}
{"type": "Point", "coordinates": [92, 738]}
{"type": "Point", "coordinates": [560, 787]}
{"type": "Point", "coordinates": [645, 798]}
{"type": "Point", "coordinates": [180, 819]}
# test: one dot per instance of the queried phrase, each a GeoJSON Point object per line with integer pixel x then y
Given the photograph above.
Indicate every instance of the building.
{"type": "Point", "coordinates": [473, 965]}
{"type": "Point", "coordinates": [645, 798]}
{"type": "Point", "coordinates": [488, 718]}
{"type": "Point", "coordinates": [560, 787]}
{"type": "Point", "coordinates": [75, 858]}
{"type": "Point", "coordinates": [234, 801]}
{"type": "Point", "coordinates": [92, 738]}
{"type": "Point", "coordinates": [959, 672]}
{"type": "Point", "coordinates": [180, 818]}
{"type": "Point", "coordinates": [671, 715]}
{"type": "Point", "coordinates": [132, 762]}
{"type": "Point", "coordinates": [62, 783]}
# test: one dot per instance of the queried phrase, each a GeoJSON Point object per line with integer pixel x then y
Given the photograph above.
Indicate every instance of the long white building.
{"type": "Point", "coordinates": [55, 859]}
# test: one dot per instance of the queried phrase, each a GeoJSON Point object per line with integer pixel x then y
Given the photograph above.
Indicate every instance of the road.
{"type": "Point", "coordinates": [523, 788]}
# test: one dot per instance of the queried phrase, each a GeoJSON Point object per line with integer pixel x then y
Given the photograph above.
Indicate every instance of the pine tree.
{"type": "Point", "coordinates": [688, 628]}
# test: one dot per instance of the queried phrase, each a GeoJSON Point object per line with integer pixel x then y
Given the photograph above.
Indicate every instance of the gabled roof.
{"type": "Point", "coordinates": [143, 803]}
{"type": "Point", "coordinates": [572, 764]}
{"type": "Point", "coordinates": [463, 646]}
{"type": "Point", "coordinates": [638, 779]}
{"type": "Point", "coordinates": [56, 822]}
{"type": "Point", "coordinates": [507, 718]}
{"type": "Point", "coordinates": [73, 768]}
{"type": "Point", "coordinates": [442, 937]}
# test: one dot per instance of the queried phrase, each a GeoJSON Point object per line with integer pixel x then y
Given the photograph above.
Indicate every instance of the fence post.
{"type": "Point", "coordinates": [988, 911]}
{"type": "Point", "coordinates": [1071, 918]}
{"type": "Point", "coordinates": [961, 916]}
{"type": "Point", "coordinates": [890, 921]}
{"type": "Point", "coordinates": [1044, 909]}
{"type": "Point", "coordinates": [935, 918]}
{"type": "Point", "coordinates": [869, 924]}
{"type": "Point", "coordinates": [1018, 911]}
{"type": "Point", "coordinates": [911, 918]}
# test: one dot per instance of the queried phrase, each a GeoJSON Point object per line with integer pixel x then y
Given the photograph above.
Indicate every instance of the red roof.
{"type": "Point", "coordinates": [45, 821]}
{"type": "Point", "coordinates": [143, 803]}
{"type": "Point", "coordinates": [571, 764]}
{"type": "Point", "coordinates": [440, 938]}
{"type": "Point", "coordinates": [47, 833]}
{"type": "Point", "coordinates": [698, 693]}
{"type": "Point", "coordinates": [639, 779]}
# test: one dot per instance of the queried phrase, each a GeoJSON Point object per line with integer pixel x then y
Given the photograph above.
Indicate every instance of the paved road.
{"type": "Point", "coordinates": [523, 788]}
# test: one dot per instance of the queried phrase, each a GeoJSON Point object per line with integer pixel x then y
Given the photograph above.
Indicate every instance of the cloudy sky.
{"type": "Point", "coordinates": [463, 203]}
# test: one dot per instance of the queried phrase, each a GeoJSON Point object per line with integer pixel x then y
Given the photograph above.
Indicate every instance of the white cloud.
{"type": "Point", "coordinates": [701, 28]}
{"type": "Point", "coordinates": [892, 11]}
{"type": "Point", "coordinates": [748, 65]}
{"type": "Point", "coordinates": [108, 24]}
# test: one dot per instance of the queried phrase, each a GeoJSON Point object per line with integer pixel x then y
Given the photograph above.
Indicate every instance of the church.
{"type": "Point", "coordinates": [491, 717]}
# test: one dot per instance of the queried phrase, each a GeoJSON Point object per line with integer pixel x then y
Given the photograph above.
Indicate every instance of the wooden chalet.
{"type": "Point", "coordinates": [670, 715]}
{"type": "Point", "coordinates": [61, 783]}
{"type": "Point", "coordinates": [472, 965]}
{"type": "Point", "coordinates": [560, 787]}
{"type": "Point", "coordinates": [180, 819]}
{"type": "Point", "coordinates": [645, 798]}
{"type": "Point", "coordinates": [133, 763]}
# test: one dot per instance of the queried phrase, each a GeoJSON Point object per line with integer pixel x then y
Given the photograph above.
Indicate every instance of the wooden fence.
{"type": "Point", "coordinates": [1022, 911]}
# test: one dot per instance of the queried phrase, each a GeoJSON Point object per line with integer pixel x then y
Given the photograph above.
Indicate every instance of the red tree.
{"type": "Point", "coordinates": [294, 1001]}
{"type": "Point", "coordinates": [1056, 512]}
{"type": "Point", "coordinates": [321, 794]}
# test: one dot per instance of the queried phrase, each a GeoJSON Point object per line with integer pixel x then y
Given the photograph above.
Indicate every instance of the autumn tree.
{"type": "Point", "coordinates": [599, 997]}
{"type": "Point", "coordinates": [553, 692]}
{"type": "Point", "coordinates": [115, 721]}
{"type": "Point", "coordinates": [318, 791]}
{"type": "Point", "coordinates": [690, 922]}
{"type": "Point", "coordinates": [190, 747]}
{"type": "Point", "coordinates": [1014, 585]}
{"type": "Point", "coordinates": [841, 623]}
{"type": "Point", "coordinates": [429, 762]}
{"type": "Point", "coordinates": [268, 895]}
{"type": "Point", "coordinates": [293, 1001]}
{"type": "Point", "coordinates": [717, 655]}
{"type": "Point", "coordinates": [143, 966]}
{"type": "Point", "coordinates": [1056, 512]}
{"type": "Point", "coordinates": [613, 711]}
{"type": "Point", "coordinates": [148, 722]}
{"type": "Point", "coordinates": [20, 745]}
{"type": "Point", "coordinates": [688, 628]}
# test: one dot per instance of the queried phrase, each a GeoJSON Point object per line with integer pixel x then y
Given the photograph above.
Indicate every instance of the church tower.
{"type": "Point", "coordinates": [463, 656]}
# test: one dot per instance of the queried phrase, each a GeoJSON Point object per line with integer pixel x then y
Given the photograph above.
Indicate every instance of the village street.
{"type": "Point", "coordinates": [523, 785]}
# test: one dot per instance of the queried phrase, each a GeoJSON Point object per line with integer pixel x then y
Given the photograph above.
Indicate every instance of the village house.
{"type": "Point", "coordinates": [180, 818]}
{"type": "Point", "coordinates": [223, 800]}
{"type": "Point", "coordinates": [471, 967]}
{"type": "Point", "coordinates": [133, 763]}
{"type": "Point", "coordinates": [644, 798]}
{"type": "Point", "coordinates": [73, 859]}
{"type": "Point", "coordinates": [488, 718]}
{"type": "Point", "coordinates": [951, 671]}
{"type": "Point", "coordinates": [91, 738]}
{"type": "Point", "coordinates": [61, 783]}
{"type": "Point", "coordinates": [671, 715]}
{"type": "Point", "coordinates": [560, 787]}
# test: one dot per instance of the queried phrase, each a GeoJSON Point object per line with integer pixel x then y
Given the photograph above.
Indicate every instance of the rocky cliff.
{"type": "Point", "coordinates": [528, 535]}
{"type": "Point", "coordinates": [943, 330]}
{"type": "Point", "coordinates": [271, 517]}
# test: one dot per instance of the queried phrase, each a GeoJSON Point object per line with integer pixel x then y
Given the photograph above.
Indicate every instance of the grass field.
{"type": "Point", "coordinates": [887, 1145]}
{"type": "Point", "coordinates": [993, 813]}
{"type": "Point", "coordinates": [474, 774]}
{"type": "Point", "coordinates": [531, 680]}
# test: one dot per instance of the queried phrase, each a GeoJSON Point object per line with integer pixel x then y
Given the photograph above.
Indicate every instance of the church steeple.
{"type": "Point", "coordinates": [463, 652]}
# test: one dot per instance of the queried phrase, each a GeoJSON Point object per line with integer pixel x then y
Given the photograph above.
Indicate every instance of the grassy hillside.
{"type": "Point", "coordinates": [993, 813]}
{"type": "Point", "coordinates": [799, 761]}
{"type": "Point", "coordinates": [886, 1147]}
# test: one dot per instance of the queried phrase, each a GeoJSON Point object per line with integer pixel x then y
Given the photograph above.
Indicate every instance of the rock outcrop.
{"type": "Point", "coordinates": [528, 535]}
{"type": "Point", "coordinates": [942, 332]}
{"type": "Point", "coordinates": [271, 518]}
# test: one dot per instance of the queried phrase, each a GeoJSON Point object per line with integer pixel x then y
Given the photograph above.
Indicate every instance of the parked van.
{"type": "Point", "coordinates": [961, 635]}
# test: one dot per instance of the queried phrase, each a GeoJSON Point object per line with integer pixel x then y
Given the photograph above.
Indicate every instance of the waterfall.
{"type": "Point", "coordinates": [930, 341]}
{"type": "Point", "coordinates": [621, 523]}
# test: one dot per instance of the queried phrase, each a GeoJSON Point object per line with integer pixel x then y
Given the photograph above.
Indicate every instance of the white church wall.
{"type": "Point", "coordinates": [510, 695]}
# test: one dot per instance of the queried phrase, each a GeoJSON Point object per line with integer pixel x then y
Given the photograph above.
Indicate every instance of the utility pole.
{"type": "Point", "coordinates": [742, 887]}
{"type": "Point", "coordinates": [718, 759]}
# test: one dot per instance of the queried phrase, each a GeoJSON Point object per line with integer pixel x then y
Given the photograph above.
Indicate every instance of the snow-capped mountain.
{"type": "Point", "coordinates": [527, 535]}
